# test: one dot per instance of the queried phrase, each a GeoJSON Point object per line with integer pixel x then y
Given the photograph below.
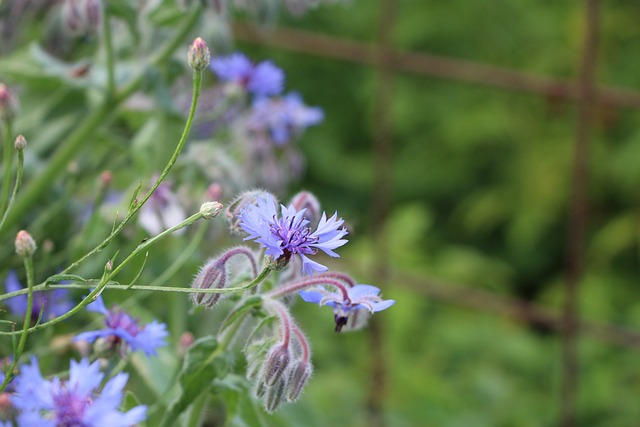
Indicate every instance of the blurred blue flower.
{"type": "Point", "coordinates": [72, 403]}
{"type": "Point", "coordinates": [122, 329]}
{"type": "Point", "coordinates": [283, 118]}
{"type": "Point", "coordinates": [262, 79]}
{"type": "Point", "coordinates": [54, 303]}
{"type": "Point", "coordinates": [282, 237]}
{"type": "Point", "coordinates": [361, 297]}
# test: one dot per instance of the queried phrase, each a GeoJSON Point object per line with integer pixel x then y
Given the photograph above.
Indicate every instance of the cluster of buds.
{"type": "Point", "coordinates": [279, 368]}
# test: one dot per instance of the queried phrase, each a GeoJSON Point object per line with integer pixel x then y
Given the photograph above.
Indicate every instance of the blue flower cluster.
{"type": "Point", "coordinates": [280, 117]}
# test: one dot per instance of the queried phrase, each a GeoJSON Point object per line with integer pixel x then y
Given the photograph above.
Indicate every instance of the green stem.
{"type": "Point", "coordinates": [6, 157]}
{"type": "Point", "coordinates": [197, 81]}
{"type": "Point", "coordinates": [15, 187]}
{"type": "Point", "coordinates": [108, 47]}
{"type": "Point", "coordinates": [28, 266]}
{"type": "Point", "coordinates": [70, 148]}
{"type": "Point", "coordinates": [111, 285]}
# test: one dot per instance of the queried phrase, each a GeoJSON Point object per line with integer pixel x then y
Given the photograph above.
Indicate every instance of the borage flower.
{"type": "Point", "coordinates": [289, 234]}
{"type": "Point", "coordinates": [125, 331]}
{"type": "Point", "coordinates": [360, 297]}
{"type": "Point", "coordinates": [283, 118]}
{"type": "Point", "coordinates": [261, 79]}
{"type": "Point", "coordinates": [72, 403]}
{"type": "Point", "coordinates": [52, 304]}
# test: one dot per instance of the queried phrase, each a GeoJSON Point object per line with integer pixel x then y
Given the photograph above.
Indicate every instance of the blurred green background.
{"type": "Point", "coordinates": [480, 188]}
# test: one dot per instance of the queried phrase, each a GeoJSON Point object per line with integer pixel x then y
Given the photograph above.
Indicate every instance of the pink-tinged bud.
{"type": "Point", "coordinates": [8, 103]}
{"type": "Point", "coordinates": [306, 200]}
{"type": "Point", "coordinates": [212, 276]}
{"type": "Point", "coordinates": [105, 178]}
{"type": "Point", "coordinates": [298, 378]}
{"type": "Point", "coordinates": [210, 210]}
{"type": "Point", "coordinates": [185, 342]}
{"type": "Point", "coordinates": [25, 245]}
{"type": "Point", "coordinates": [214, 191]}
{"type": "Point", "coordinates": [199, 55]}
{"type": "Point", "coordinates": [48, 246]}
{"type": "Point", "coordinates": [276, 363]}
{"type": "Point", "coordinates": [274, 395]}
{"type": "Point", "coordinates": [20, 143]}
{"type": "Point", "coordinates": [7, 410]}
{"type": "Point", "coordinates": [109, 265]}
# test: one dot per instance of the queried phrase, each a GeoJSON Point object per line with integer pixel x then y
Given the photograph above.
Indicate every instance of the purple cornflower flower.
{"type": "Point", "coordinates": [360, 297]}
{"type": "Point", "coordinates": [72, 403]}
{"type": "Point", "coordinates": [54, 303]}
{"type": "Point", "coordinates": [122, 329]}
{"type": "Point", "coordinates": [162, 211]}
{"type": "Point", "coordinates": [262, 79]}
{"type": "Point", "coordinates": [282, 237]}
{"type": "Point", "coordinates": [283, 118]}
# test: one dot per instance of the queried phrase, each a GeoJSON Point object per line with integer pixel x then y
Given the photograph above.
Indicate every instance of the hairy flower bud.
{"type": "Point", "coordinates": [25, 245]}
{"type": "Point", "coordinates": [199, 55]}
{"type": "Point", "coordinates": [210, 210]}
{"type": "Point", "coordinates": [298, 377]}
{"type": "Point", "coordinates": [306, 200]}
{"type": "Point", "coordinates": [212, 275]}
{"type": "Point", "coordinates": [275, 395]}
{"type": "Point", "coordinates": [8, 103]}
{"type": "Point", "coordinates": [276, 363]}
{"type": "Point", "coordinates": [20, 143]}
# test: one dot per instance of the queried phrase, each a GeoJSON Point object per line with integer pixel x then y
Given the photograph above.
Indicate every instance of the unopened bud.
{"type": "Point", "coordinates": [306, 200]}
{"type": "Point", "coordinates": [212, 275]}
{"type": "Point", "coordinates": [48, 246]}
{"type": "Point", "coordinates": [276, 363]}
{"type": "Point", "coordinates": [109, 265]}
{"type": "Point", "coordinates": [25, 245]}
{"type": "Point", "coordinates": [20, 143]}
{"type": "Point", "coordinates": [214, 191]}
{"type": "Point", "coordinates": [275, 395]}
{"type": "Point", "coordinates": [105, 178]}
{"type": "Point", "coordinates": [8, 103]}
{"type": "Point", "coordinates": [199, 55]}
{"type": "Point", "coordinates": [6, 408]}
{"type": "Point", "coordinates": [260, 389]}
{"type": "Point", "coordinates": [241, 202]}
{"type": "Point", "coordinates": [298, 378]}
{"type": "Point", "coordinates": [210, 210]}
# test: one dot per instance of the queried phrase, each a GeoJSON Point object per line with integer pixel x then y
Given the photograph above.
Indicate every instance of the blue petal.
{"type": "Point", "coordinates": [379, 306]}
{"type": "Point", "coordinates": [311, 296]}
{"type": "Point", "coordinates": [360, 291]}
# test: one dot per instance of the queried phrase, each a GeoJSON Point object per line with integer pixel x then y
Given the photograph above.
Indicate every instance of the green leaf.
{"type": "Point", "coordinates": [204, 362]}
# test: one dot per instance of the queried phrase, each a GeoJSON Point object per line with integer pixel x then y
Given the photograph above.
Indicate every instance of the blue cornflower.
{"type": "Point", "coordinates": [54, 303]}
{"type": "Point", "coordinates": [360, 297]}
{"type": "Point", "coordinates": [122, 329]}
{"type": "Point", "coordinates": [289, 234]}
{"type": "Point", "coordinates": [262, 79]}
{"type": "Point", "coordinates": [283, 118]}
{"type": "Point", "coordinates": [72, 403]}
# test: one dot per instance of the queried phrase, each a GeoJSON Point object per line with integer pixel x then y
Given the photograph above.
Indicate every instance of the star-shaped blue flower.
{"type": "Point", "coordinates": [288, 234]}
{"type": "Point", "coordinates": [360, 297]}
{"type": "Point", "coordinates": [122, 329]}
{"type": "Point", "coordinates": [75, 402]}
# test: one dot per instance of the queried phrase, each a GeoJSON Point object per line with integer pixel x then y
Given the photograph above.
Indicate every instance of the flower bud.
{"type": "Point", "coordinates": [210, 210]}
{"type": "Point", "coordinates": [214, 191]}
{"type": "Point", "coordinates": [20, 143]}
{"type": "Point", "coordinates": [212, 275]}
{"type": "Point", "coordinates": [298, 378]}
{"type": "Point", "coordinates": [199, 55]}
{"type": "Point", "coordinates": [276, 363]}
{"type": "Point", "coordinates": [242, 201]}
{"type": "Point", "coordinates": [8, 103]}
{"type": "Point", "coordinates": [105, 179]}
{"type": "Point", "coordinates": [306, 200]}
{"type": "Point", "coordinates": [275, 395]}
{"type": "Point", "coordinates": [25, 245]}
